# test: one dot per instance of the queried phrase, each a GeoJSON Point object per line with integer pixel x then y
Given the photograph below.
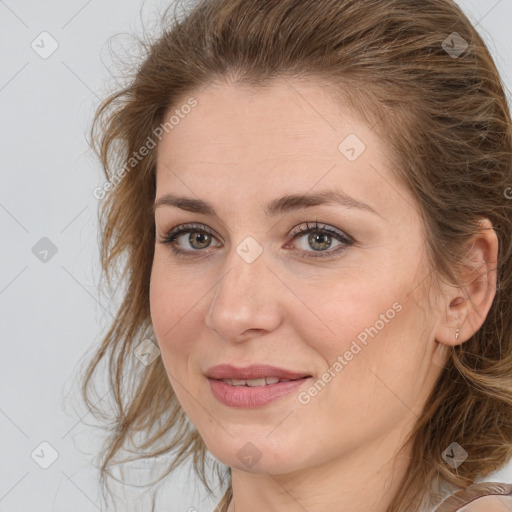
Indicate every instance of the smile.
{"type": "Point", "coordinates": [253, 392]}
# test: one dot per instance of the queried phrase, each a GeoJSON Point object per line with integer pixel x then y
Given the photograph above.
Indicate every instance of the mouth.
{"type": "Point", "coordinates": [257, 385]}
{"type": "Point", "coordinates": [254, 375]}
{"type": "Point", "coordinates": [260, 382]}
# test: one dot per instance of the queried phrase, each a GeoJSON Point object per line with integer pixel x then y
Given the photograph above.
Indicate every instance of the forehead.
{"type": "Point", "coordinates": [289, 136]}
{"type": "Point", "coordinates": [286, 119]}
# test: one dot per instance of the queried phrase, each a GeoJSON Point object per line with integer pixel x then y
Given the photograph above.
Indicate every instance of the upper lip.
{"type": "Point", "coordinates": [256, 371]}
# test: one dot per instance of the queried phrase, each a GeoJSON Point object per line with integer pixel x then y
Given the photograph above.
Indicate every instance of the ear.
{"type": "Point", "coordinates": [466, 308]}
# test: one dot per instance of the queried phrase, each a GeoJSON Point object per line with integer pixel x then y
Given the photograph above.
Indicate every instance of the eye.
{"type": "Point", "coordinates": [199, 237]}
{"type": "Point", "coordinates": [319, 239]}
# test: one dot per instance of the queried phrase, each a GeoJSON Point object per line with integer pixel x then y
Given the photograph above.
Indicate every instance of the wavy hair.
{"type": "Point", "coordinates": [440, 108]}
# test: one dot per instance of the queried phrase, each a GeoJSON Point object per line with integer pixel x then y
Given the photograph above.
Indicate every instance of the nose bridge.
{"type": "Point", "coordinates": [246, 297]}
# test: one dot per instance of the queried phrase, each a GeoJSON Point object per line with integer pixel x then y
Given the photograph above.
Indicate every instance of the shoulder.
{"type": "Point", "coordinates": [493, 503]}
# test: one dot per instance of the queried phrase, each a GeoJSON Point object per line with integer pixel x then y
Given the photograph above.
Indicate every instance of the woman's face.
{"type": "Point", "coordinates": [345, 307]}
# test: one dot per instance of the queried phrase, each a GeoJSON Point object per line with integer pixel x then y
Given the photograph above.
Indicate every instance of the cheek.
{"type": "Point", "coordinates": [368, 337]}
{"type": "Point", "coordinates": [345, 310]}
{"type": "Point", "coordinates": [175, 325]}
{"type": "Point", "coordinates": [172, 307]}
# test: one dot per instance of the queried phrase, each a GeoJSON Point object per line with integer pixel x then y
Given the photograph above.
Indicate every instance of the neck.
{"type": "Point", "coordinates": [361, 480]}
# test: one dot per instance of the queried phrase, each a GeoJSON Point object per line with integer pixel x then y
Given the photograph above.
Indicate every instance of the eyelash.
{"type": "Point", "coordinates": [174, 233]}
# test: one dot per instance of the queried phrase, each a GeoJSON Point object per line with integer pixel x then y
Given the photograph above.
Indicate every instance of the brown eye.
{"type": "Point", "coordinates": [202, 239]}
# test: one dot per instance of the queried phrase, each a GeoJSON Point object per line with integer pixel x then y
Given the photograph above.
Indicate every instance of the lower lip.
{"type": "Point", "coordinates": [246, 396]}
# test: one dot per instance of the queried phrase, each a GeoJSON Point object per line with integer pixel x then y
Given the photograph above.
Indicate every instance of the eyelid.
{"type": "Point", "coordinates": [319, 226]}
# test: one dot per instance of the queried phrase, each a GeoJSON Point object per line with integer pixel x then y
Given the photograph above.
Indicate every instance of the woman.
{"type": "Point", "coordinates": [313, 202]}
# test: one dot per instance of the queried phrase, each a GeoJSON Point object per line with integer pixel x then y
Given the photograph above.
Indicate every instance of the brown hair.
{"type": "Point", "coordinates": [446, 122]}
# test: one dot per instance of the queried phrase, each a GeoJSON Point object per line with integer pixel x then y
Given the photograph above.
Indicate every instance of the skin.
{"type": "Point", "coordinates": [239, 149]}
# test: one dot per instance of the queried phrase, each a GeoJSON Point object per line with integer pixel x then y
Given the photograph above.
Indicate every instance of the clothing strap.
{"type": "Point", "coordinates": [471, 493]}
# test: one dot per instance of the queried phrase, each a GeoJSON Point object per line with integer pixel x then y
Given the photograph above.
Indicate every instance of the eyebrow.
{"type": "Point", "coordinates": [277, 206]}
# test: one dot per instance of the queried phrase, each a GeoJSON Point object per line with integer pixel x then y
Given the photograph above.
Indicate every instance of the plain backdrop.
{"type": "Point", "coordinates": [55, 62]}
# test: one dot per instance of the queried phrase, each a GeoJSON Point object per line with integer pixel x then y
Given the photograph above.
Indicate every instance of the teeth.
{"type": "Point", "coordinates": [254, 382]}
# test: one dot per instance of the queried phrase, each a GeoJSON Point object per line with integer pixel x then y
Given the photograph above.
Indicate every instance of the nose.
{"type": "Point", "coordinates": [246, 300]}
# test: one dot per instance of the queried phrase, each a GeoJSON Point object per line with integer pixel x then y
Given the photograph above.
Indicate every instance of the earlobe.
{"type": "Point", "coordinates": [467, 308]}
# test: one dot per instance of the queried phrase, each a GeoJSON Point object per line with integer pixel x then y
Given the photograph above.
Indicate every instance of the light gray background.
{"type": "Point", "coordinates": [51, 312]}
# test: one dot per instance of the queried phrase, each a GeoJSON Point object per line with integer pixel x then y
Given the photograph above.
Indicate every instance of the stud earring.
{"type": "Point", "coordinates": [457, 334]}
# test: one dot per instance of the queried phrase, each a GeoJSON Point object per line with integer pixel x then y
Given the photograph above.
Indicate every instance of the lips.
{"type": "Point", "coordinates": [254, 392]}
{"type": "Point", "coordinates": [227, 371]}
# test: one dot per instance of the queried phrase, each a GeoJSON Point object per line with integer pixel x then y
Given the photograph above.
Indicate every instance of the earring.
{"type": "Point", "coordinates": [457, 334]}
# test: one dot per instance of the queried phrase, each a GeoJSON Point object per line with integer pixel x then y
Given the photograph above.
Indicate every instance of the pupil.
{"type": "Point", "coordinates": [313, 240]}
{"type": "Point", "coordinates": [202, 238]}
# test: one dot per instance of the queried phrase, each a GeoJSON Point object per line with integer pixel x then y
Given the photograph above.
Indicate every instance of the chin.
{"type": "Point", "coordinates": [255, 454]}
